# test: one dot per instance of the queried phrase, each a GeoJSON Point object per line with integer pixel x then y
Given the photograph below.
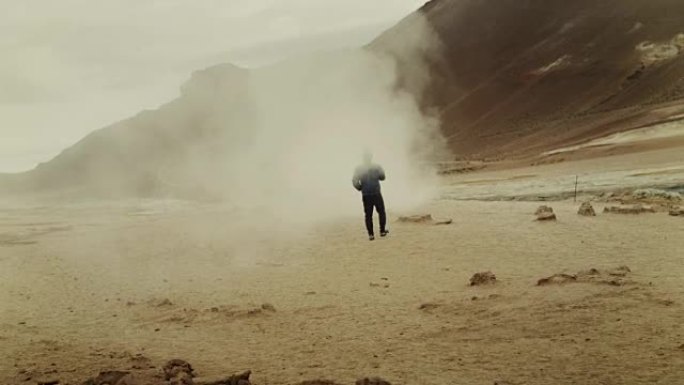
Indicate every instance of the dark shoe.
{"type": "Point", "coordinates": [371, 237]}
{"type": "Point", "coordinates": [384, 233]}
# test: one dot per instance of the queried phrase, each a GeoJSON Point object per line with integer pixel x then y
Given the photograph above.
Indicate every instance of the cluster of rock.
{"type": "Point", "coordinates": [613, 277]}
{"type": "Point", "coordinates": [546, 213]}
{"type": "Point", "coordinates": [174, 372]}
{"type": "Point", "coordinates": [643, 201]}
{"type": "Point", "coordinates": [631, 209]}
{"type": "Point", "coordinates": [180, 372]}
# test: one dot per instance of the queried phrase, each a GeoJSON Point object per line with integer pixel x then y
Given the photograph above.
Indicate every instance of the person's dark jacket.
{"type": "Point", "coordinates": [367, 179]}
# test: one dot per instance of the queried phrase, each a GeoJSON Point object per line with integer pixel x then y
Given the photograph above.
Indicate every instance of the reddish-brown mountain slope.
{"type": "Point", "coordinates": [520, 75]}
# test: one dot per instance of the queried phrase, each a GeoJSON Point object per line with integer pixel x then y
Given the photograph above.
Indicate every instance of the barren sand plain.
{"type": "Point", "coordinates": [127, 286]}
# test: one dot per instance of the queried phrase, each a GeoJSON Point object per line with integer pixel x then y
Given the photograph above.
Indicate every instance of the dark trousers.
{"type": "Point", "coordinates": [370, 201]}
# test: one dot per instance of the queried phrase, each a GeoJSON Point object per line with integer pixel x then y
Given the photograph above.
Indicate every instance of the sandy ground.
{"type": "Point", "coordinates": [83, 288]}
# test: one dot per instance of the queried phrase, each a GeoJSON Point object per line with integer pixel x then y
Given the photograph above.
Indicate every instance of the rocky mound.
{"type": "Point", "coordinates": [677, 212]}
{"type": "Point", "coordinates": [545, 213]}
{"type": "Point", "coordinates": [483, 278]}
{"type": "Point", "coordinates": [613, 277]}
{"type": "Point", "coordinates": [586, 210]}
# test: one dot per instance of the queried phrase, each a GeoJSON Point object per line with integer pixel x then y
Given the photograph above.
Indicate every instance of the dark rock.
{"type": "Point", "coordinates": [175, 367]}
{"type": "Point", "coordinates": [372, 381]}
{"type": "Point", "coordinates": [677, 212]}
{"type": "Point", "coordinates": [236, 379]}
{"type": "Point", "coordinates": [318, 382]}
{"type": "Point", "coordinates": [484, 278]}
{"type": "Point", "coordinates": [428, 306]}
{"type": "Point", "coordinates": [51, 381]}
{"type": "Point", "coordinates": [587, 210]}
{"type": "Point", "coordinates": [107, 378]}
{"type": "Point", "coordinates": [557, 279]}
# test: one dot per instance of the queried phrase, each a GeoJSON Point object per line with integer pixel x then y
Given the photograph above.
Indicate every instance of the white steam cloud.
{"type": "Point", "coordinates": [283, 139]}
{"type": "Point", "coordinates": [308, 121]}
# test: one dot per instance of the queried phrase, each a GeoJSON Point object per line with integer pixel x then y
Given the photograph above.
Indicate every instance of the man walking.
{"type": "Point", "coordinates": [367, 179]}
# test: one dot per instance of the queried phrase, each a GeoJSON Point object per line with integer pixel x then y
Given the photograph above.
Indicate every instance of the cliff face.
{"type": "Point", "coordinates": [518, 75]}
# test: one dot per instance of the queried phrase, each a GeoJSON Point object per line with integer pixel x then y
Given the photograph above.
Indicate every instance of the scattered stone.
{"type": "Point", "coordinates": [660, 200]}
{"type": "Point", "coordinates": [428, 306]}
{"type": "Point", "coordinates": [546, 217]}
{"type": "Point", "coordinates": [557, 279]}
{"type": "Point", "coordinates": [175, 372]}
{"type": "Point", "coordinates": [161, 303]}
{"type": "Point", "coordinates": [146, 378]}
{"type": "Point", "coordinates": [25, 376]}
{"type": "Point", "coordinates": [545, 213]}
{"type": "Point", "coordinates": [587, 210]}
{"type": "Point", "coordinates": [656, 195]}
{"type": "Point", "coordinates": [372, 381]}
{"type": "Point", "coordinates": [484, 278]}
{"type": "Point", "coordinates": [182, 378]}
{"type": "Point", "coordinates": [175, 367]}
{"type": "Point", "coordinates": [107, 378]}
{"type": "Point", "coordinates": [635, 209]}
{"type": "Point", "coordinates": [318, 382]}
{"type": "Point", "coordinates": [310, 293]}
{"type": "Point", "coordinates": [425, 219]}
{"type": "Point", "coordinates": [140, 362]}
{"type": "Point", "coordinates": [444, 222]}
{"type": "Point", "coordinates": [620, 271]}
{"type": "Point", "coordinates": [677, 212]}
{"type": "Point", "coordinates": [268, 307]}
{"type": "Point", "coordinates": [589, 272]}
{"type": "Point", "coordinates": [417, 218]}
{"type": "Point", "coordinates": [51, 381]}
{"type": "Point", "coordinates": [236, 379]}
{"type": "Point", "coordinates": [613, 277]}
{"type": "Point", "coordinates": [543, 209]}
{"type": "Point", "coordinates": [255, 311]}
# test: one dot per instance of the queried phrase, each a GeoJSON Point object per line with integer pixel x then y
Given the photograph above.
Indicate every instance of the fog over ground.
{"type": "Point", "coordinates": [72, 66]}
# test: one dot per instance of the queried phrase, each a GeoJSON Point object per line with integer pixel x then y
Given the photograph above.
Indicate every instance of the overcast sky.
{"type": "Point", "coordinates": [71, 66]}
